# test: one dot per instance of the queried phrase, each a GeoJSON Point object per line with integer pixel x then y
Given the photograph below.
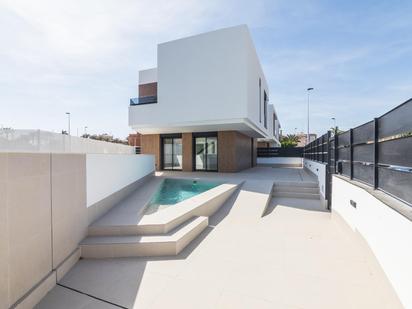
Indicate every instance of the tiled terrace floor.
{"type": "Point", "coordinates": [297, 256]}
{"type": "Point", "coordinates": [258, 173]}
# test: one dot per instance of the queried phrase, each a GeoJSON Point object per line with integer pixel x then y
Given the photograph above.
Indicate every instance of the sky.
{"type": "Point", "coordinates": [83, 57]}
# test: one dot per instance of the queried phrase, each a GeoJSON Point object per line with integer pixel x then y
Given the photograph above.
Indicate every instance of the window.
{"type": "Point", "coordinates": [265, 109]}
{"type": "Point", "coordinates": [260, 100]}
{"type": "Point", "coordinates": [172, 152]}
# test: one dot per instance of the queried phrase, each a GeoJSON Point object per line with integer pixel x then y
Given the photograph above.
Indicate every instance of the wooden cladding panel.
{"type": "Point", "coordinates": [150, 144]}
{"type": "Point", "coordinates": [148, 90]}
{"type": "Point", "coordinates": [226, 151]}
{"type": "Point", "coordinates": [243, 152]}
{"type": "Point", "coordinates": [235, 151]}
{"type": "Point", "coordinates": [187, 145]}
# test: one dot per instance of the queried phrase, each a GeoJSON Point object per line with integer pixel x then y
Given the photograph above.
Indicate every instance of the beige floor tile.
{"type": "Point", "coordinates": [62, 298]}
{"type": "Point", "coordinates": [231, 300]}
{"type": "Point", "coordinates": [187, 294]}
{"type": "Point", "coordinates": [294, 257]}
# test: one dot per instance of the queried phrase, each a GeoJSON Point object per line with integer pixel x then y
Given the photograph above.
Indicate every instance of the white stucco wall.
{"type": "Point", "coordinates": [213, 77]}
{"type": "Point", "coordinates": [107, 174]}
{"type": "Point", "coordinates": [254, 72]}
{"type": "Point", "coordinates": [388, 233]}
{"type": "Point", "coordinates": [319, 169]}
{"type": "Point", "coordinates": [270, 125]}
{"type": "Point", "coordinates": [202, 72]}
{"type": "Point", "coordinates": [279, 160]}
{"type": "Point", "coordinates": [148, 76]}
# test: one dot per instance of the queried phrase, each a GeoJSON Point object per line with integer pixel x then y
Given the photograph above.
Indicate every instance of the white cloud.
{"type": "Point", "coordinates": [84, 56]}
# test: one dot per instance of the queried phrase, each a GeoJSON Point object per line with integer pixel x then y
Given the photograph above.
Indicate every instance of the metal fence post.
{"type": "Point", "coordinates": [376, 155]}
{"type": "Point", "coordinates": [320, 147]}
{"type": "Point", "coordinates": [336, 142]}
{"type": "Point", "coordinates": [328, 184]}
{"type": "Point", "coordinates": [323, 148]}
{"type": "Point", "coordinates": [351, 152]}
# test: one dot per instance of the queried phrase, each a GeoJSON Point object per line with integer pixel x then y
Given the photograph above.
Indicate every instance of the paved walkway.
{"type": "Point", "coordinates": [296, 256]}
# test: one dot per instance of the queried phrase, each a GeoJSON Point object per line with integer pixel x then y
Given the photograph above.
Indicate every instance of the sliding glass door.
{"type": "Point", "coordinates": [172, 153]}
{"type": "Point", "coordinates": [205, 153]}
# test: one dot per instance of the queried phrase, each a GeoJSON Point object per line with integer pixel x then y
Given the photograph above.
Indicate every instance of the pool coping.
{"type": "Point", "coordinates": [203, 204]}
{"type": "Point", "coordinates": [163, 221]}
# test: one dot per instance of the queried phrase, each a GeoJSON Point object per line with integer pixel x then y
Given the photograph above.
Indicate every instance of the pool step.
{"type": "Point", "coordinates": [113, 230]}
{"type": "Point", "coordinates": [166, 220]}
{"type": "Point", "coordinates": [155, 245]}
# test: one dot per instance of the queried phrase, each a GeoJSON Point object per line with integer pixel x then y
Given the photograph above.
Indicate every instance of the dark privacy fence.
{"type": "Point", "coordinates": [280, 152]}
{"type": "Point", "coordinates": [377, 153]}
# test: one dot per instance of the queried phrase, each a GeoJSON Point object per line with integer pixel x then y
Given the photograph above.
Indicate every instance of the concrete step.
{"type": "Point", "coordinates": [313, 190]}
{"type": "Point", "coordinates": [131, 246]}
{"type": "Point", "coordinates": [301, 195]}
{"type": "Point", "coordinates": [296, 184]}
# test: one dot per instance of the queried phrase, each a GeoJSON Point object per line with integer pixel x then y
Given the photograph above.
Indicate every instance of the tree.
{"type": "Point", "coordinates": [289, 141]}
{"type": "Point", "coordinates": [105, 138]}
{"type": "Point", "coordinates": [336, 131]}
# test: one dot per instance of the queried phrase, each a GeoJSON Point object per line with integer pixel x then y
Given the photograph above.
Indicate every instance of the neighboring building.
{"type": "Point", "coordinates": [134, 139]}
{"type": "Point", "coordinates": [303, 137]}
{"type": "Point", "coordinates": [206, 104]}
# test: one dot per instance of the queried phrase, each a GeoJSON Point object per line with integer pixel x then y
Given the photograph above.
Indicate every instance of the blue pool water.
{"type": "Point", "coordinates": [173, 191]}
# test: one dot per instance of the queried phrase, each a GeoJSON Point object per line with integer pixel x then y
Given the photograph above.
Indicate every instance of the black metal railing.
{"type": "Point", "coordinates": [377, 153]}
{"type": "Point", "coordinates": [280, 152]}
{"type": "Point", "coordinates": [143, 100]}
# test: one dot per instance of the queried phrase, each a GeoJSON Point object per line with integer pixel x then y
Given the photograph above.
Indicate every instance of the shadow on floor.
{"type": "Point", "coordinates": [225, 209]}
{"type": "Point", "coordinates": [118, 280]}
{"type": "Point", "coordinates": [303, 204]}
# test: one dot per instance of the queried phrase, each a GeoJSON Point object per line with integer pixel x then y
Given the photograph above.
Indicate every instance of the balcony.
{"type": "Point", "coordinates": [143, 100]}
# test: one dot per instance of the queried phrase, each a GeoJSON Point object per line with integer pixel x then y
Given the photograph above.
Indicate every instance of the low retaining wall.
{"type": "Point", "coordinates": [319, 170]}
{"type": "Point", "coordinates": [280, 161]}
{"type": "Point", "coordinates": [44, 213]}
{"type": "Point", "coordinates": [387, 232]}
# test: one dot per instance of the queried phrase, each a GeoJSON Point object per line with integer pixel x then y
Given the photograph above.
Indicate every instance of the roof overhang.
{"type": "Point", "coordinates": [242, 125]}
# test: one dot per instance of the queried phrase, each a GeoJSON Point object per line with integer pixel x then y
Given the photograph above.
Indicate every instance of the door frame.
{"type": "Point", "coordinates": [172, 136]}
{"type": "Point", "coordinates": [204, 135]}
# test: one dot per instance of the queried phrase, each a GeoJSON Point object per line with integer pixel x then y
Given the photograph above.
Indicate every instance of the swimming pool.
{"type": "Point", "coordinates": [173, 191]}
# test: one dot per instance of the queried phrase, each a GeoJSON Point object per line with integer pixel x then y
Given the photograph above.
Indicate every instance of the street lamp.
{"type": "Point", "coordinates": [68, 119]}
{"type": "Point", "coordinates": [308, 90]}
{"type": "Point", "coordinates": [334, 121]}
{"type": "Point", "coordinates": [85, 130]}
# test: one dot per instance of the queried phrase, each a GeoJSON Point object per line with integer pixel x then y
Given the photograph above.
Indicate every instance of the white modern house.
{"type": "Point", "coordinates": [206, 104]}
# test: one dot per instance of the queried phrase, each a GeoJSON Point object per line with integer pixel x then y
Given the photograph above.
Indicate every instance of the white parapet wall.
{"type": "Point", "coordinates": [107, 174]}
{"type": "Point", "coordinates": [319, 170]}
{"type": "Point", "coordinates": [387, 232]}
{"type": "Point", "coordinates": [280, 161]}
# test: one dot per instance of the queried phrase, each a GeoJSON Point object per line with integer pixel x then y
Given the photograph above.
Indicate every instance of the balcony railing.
{"type": "Point", "coordinates": [143, 100]}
